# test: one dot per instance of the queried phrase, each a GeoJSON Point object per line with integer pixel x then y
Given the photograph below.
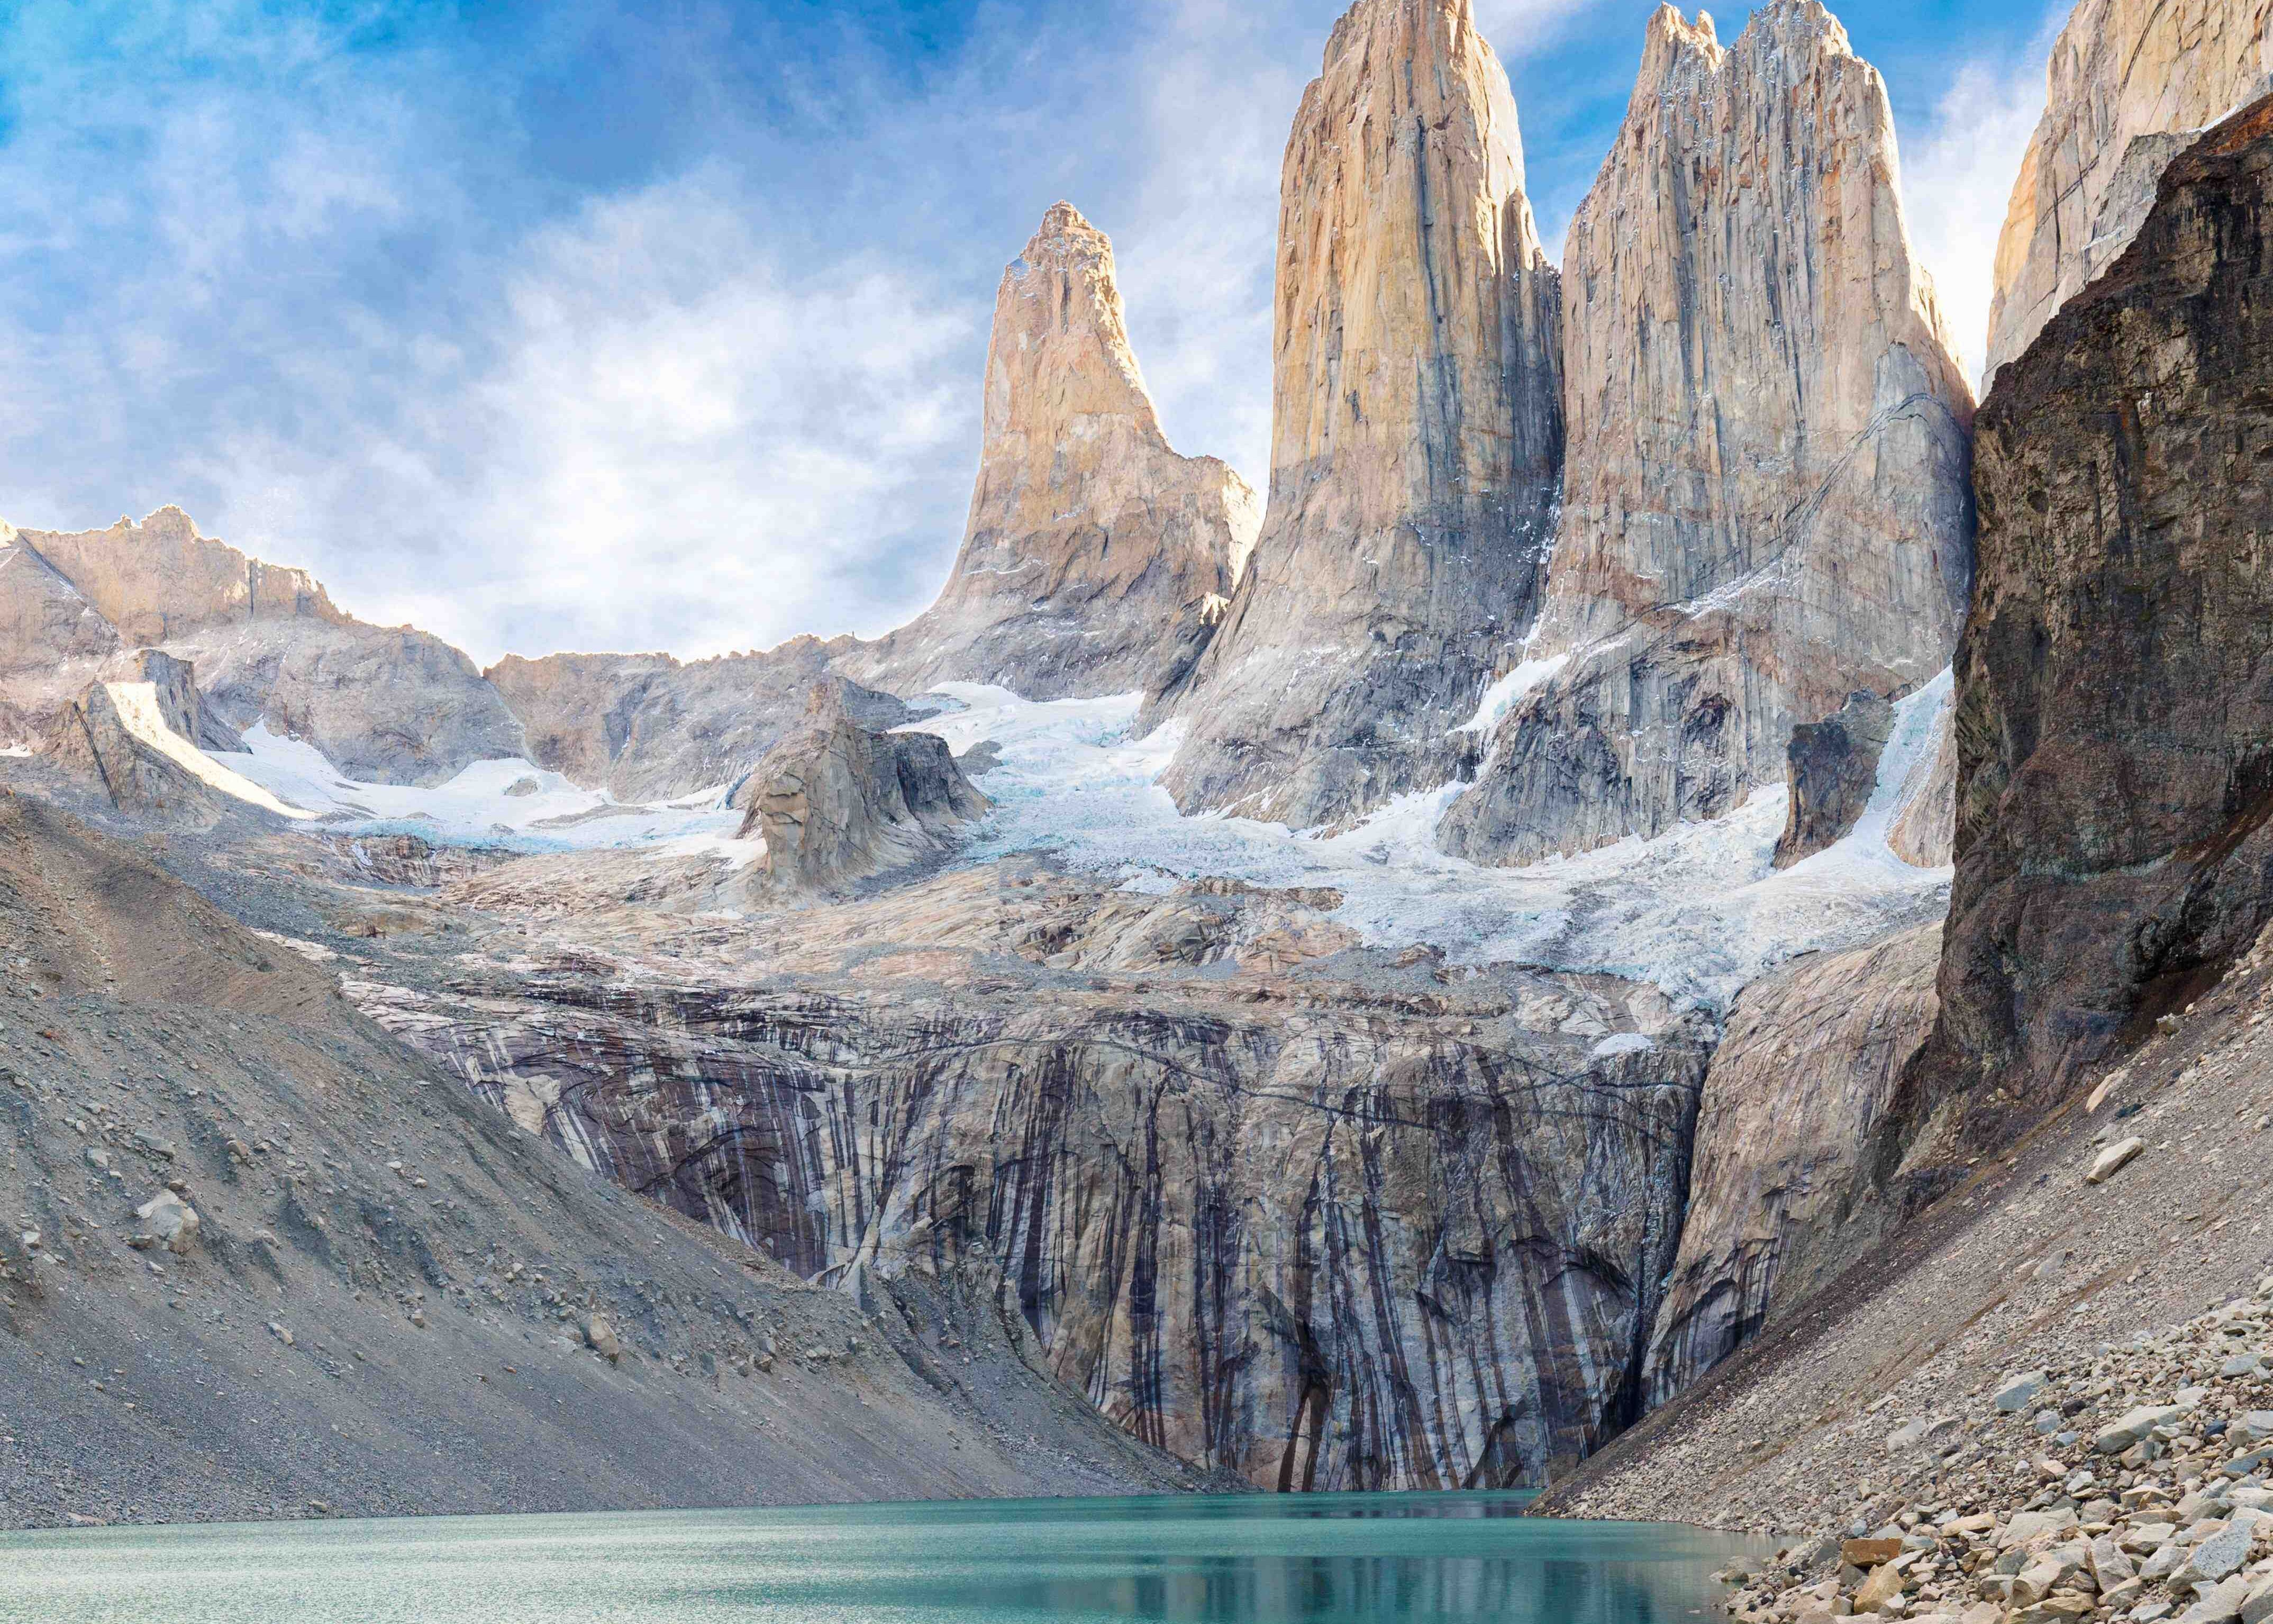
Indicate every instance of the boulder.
{"type": "Point", "coordinates": [835, 803]}
{"type": "Point", "coordinates": [169, 1221]}
{"type": "Point", "coordinates": [2113, 1159]}
{"type": "Point", "coordinates": [1832, 767]}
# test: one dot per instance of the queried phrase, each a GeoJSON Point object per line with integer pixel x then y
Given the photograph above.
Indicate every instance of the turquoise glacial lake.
{"type": "Point", "coordinates": [1262, 1558]}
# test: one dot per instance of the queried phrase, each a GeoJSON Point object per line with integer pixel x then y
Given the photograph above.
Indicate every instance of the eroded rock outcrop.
{"type": "Point", "coordinates": [2127, 82]}
{"type": "Point", "coordinates": [1416, 436]}
{"type": "Point", "coordinates": [2115, 682]}
{"type": "Point", "coordinates": [50, 638]}
{"type": "Point", "coordinates": [1783, 1197]}
{"type": "Point", "coordinates": [142, 731]}
{"type": "Point", "coordinates": [384, 705]}
{"type": "Point", "coordinates": [1767, 505]}
{"type": "Point", "coordinates": [1095, 558]}
{"type": "Point", "coordinates": [835, 803]}
{"type": "Point", "coordinates": [649, 727]}
{"type": "Point", "coordinates": [1331, 1220]}
{"type": "Point", "coordinates": [1833, 768]}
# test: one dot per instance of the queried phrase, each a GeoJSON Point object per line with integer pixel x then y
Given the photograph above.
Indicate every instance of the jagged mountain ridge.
{"type": "Point", "coordinates": [389, 705]}
{"type": "Point", "coordinates": [1766, 504]}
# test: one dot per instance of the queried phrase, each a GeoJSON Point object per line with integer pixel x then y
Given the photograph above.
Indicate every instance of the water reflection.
{"type": "Point", "coordinates": [1258, 1558]}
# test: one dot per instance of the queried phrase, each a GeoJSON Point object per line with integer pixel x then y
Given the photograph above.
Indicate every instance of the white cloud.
{"type": "Point", "coordinates": [1958, 180]}
{"type": "Point", "coordinates": [678, 443]}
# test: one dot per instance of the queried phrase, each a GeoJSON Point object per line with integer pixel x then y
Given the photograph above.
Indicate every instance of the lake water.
{"type": "Point", "coordinates": [1266, 1559]}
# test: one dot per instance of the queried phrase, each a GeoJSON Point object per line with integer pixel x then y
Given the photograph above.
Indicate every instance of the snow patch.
{"type": "Point", "coordinates": [138, 707]}
{"type": "Point", "coordinates": [474, 808]}
{"type": "Point", "coordinates": [1700, 911]}
{"type": "Point", "coordinates": [1501, 696]}
{"type": "Point", "coordinates": [1623, 1043]}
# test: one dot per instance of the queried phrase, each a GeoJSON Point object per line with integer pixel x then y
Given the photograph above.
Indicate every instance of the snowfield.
{"type": "Point", "coordinates": [1699, 911]}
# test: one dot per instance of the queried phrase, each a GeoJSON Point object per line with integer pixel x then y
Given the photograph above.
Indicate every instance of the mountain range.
{"type": "Point", "coordinates": [1387, 983]}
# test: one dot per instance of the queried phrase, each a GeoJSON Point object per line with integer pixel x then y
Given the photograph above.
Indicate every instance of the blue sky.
{"type": "Point", "coordinates": [592, 325]}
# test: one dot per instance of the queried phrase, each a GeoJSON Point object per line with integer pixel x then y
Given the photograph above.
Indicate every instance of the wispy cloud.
{"type": "Point", "coordinates": [1957, 181]}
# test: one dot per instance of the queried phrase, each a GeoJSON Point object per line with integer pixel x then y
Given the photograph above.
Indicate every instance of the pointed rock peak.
{"type": "Point", "coordinates": [1671, 34]}
{"type": "Point", "coordinates": [1092, 548]}
{"type": "Point", "coordinates": [1065, 241]}
{"type": "Point", "coordinates": [1748, 533]}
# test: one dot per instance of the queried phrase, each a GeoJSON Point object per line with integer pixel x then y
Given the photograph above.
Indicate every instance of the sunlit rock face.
{"type": "Point", "coordinates": [1767, 507]}
{"type": "Point", "coordinates": [835, 803]}
{"type": "Point", "coordinates": [385, 705]}
{"type": "Point", "coordinates": [2128, 81]}
{"type": "Point", "coordinates": [1784, 1196]}
{"type": "Point", "coordinates": [1416, 436]}
{"type": "Point", "coordinates": [1096, 558]}
{"type": "Point", "coordinates": [1328, 1218]}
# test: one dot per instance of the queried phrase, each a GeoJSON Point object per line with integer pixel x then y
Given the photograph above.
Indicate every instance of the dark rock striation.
{"type": "Point", "coordinates": [380, 1266]}
{"type": "Point", "coordinates": [1273, 1204]}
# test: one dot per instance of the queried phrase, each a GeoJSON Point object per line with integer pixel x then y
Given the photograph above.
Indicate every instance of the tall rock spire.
{"type": "Point", "coordinates": [1093, 552]}
{"type": "Point", "coordinates": [1766, 504]}
{"type": "Point", "coordinates": [2129, 83]}
{"type": "Point", "coordinates": [1416, 434]}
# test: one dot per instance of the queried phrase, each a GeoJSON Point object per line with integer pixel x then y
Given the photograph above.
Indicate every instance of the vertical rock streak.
{"type": "Point", "coordinates": [1343, 1255]}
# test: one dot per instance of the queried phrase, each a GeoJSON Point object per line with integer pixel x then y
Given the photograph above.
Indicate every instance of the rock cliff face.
{"type": "Point", "coordinates": [2115, 693]}
{"type": "Point", "coordinates": [1766, 504]}
{"type": "Point", "coordinates": [1784, 1198]}
{"type": "Point", "coordinates": [648, 727]}
{"type": "Point", "coordinates": [835, 803]}
{"type": "Point", "coordinates": [1273, 1203]}
{"type": "Point", "coordinates": [2127, 80]}
{"type": "Point", "coordinates": [1416, 436]}
{"type": "Point", "coordinates": [1094, 552]}
{"type": "Point", "coordinates": [388, 705]}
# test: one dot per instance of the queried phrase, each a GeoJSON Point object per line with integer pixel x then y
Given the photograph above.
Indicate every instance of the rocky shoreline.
{"type": "Point", "coordinates": [2134, 1484]}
